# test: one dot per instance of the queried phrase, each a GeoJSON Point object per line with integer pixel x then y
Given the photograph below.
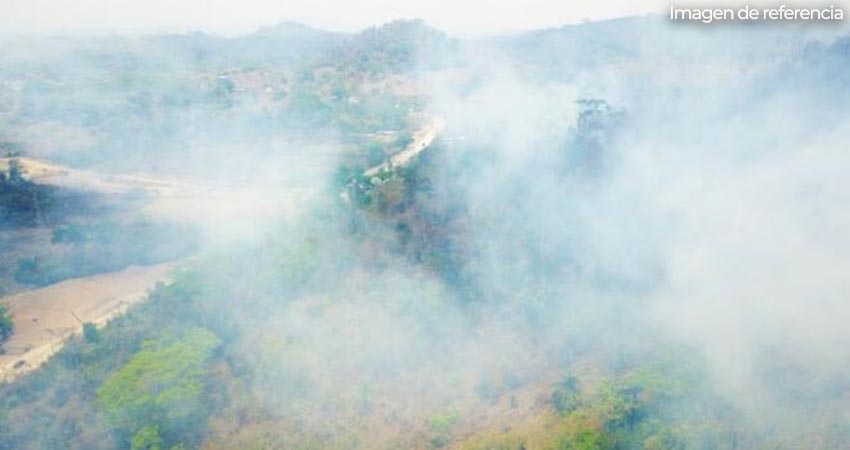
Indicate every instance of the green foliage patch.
{"type": "Point", "coordinates": [161, 385]}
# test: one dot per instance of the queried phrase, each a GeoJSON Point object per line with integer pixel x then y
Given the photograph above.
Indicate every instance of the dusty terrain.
{"type": "Point", "coordinates": [215, 208]}
{"type": "Point", "coordinates": [45, 172]}
{"type": "Point", "coordinates": [45, 317]}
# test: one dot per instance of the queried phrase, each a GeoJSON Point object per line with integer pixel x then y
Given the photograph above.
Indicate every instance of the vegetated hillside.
{"type": "Point", "coordinates": [281, 45]}
{"type": "Point", "coordinates": [367, 326]}
{"type": "Point", "coordinates": [508, 289]}
{"type": "Point", "coordinates": [152, 102]}
{"type": "Point", "coordinates": [284, 44]}
{"type": "Point", "coordinates": [328, 337]}
{"type": "Point", "coordinates": [396, 47]}
{"type": "Point", "coordinates": [648, 49]}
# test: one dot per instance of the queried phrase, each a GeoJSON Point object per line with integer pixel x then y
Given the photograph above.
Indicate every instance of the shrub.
{"type": "Point", "coordinates": [444, 421]}
{"type": "Point", "coordinates": [90, 333]}
{"type": "Point", "coordinates": [7, 327]}
{"type": "Point", "coordinates": [565, 399]}
{"type": "Point", "coordinates": [147, 438]}
{"type": "Point", "coordinates": [161, 386]}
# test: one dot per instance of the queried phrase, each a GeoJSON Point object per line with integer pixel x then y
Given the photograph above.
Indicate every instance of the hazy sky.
{"type": "Point", "coordinates": [454, 16]}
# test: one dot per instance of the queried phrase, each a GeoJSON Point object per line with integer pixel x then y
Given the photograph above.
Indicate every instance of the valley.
{"type": "Point", "coordinates": [611, 235]}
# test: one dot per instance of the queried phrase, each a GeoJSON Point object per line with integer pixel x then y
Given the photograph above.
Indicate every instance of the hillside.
{"type": "Point", "coordinates": [609, 236]}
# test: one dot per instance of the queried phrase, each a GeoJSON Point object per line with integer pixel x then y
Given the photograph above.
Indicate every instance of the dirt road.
{"type": "Point", "coordinates": [422, 138]}
{"type": "Point", "coordinates": [44, 318]}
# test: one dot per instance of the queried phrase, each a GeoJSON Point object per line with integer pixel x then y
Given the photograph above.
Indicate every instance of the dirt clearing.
{"type": "Point", "coordinates": [44, 318]}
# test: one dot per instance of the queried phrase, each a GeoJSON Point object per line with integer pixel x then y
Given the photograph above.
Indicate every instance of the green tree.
{"type": "Point", "coordinates": [147, 438]}
{"type": "Point", "coordinates": [587, 440]}
{"type": "Point", "coordinates": [566, 396]}
{"type": "Point", "coordinates": [161, 386]}
{"type": "Point", "coordinates": [90, 333]}
{"type": "Point", "coordinates": [7, 327]}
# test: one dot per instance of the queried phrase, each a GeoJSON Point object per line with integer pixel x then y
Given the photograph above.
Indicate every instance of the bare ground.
{"type": "Point", "coordinates": [44, 318]}
{"type": "Point", "coordinates": [172, 199]}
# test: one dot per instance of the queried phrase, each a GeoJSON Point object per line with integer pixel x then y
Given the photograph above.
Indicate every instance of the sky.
{"type": "Point", "coordinates": [476, 17]}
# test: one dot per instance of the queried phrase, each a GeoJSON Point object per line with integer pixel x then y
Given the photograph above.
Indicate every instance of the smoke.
{"type": "Point", "coordinates": [706, 213]}
{"type": "Point", "coordinates": [710, 211]}
{"type": "Point", "coordinates": [588, 214]}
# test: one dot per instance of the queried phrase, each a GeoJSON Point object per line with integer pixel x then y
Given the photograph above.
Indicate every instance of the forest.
{"type": "Point", "coordinates": [590, 237]}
